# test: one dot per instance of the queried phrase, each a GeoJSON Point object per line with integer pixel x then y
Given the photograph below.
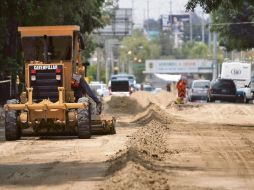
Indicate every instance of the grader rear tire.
{"type": "Point", "coordinates": [12, 130]}
{"type": "Point", "coordinates": [112, 129]}
{"type": "Point", "coordinates": [84, 120]}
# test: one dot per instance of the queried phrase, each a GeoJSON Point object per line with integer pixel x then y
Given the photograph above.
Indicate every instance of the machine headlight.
{"type": "Point", "coordinates": [58, 77]}
{"type": "Point", "coordinates": [33, 77]}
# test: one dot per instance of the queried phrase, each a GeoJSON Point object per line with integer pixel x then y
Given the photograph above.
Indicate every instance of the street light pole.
{"type": "Point", "coordinates": [215, 56]}
{"type": "Point", "coordinates": [129, 62]}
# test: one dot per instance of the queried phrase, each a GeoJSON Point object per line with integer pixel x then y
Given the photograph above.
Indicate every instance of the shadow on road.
{"type": "Point", "coordinates": [52, 173]}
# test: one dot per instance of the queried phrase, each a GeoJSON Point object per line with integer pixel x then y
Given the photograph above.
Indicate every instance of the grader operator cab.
{"type": "Point", "coordinates": [47, 106]}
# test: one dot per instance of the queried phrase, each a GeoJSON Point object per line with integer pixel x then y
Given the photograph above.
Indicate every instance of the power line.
{"type": "Point", "coordinates": [230, 23]}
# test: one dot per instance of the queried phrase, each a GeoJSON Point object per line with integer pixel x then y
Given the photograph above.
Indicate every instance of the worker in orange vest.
{"type": "Point", "coordinates": [181, 89]}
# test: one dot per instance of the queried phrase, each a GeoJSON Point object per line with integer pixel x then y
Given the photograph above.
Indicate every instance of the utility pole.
{"type": "Point", "coordinates": [215, 56]}
{"type": "Point", "coordinates": [191, 35]}
{"type": "Point", "coordinates": [172, 35]}
{"type": "Point", "coordinates": [98, 78]}
{"type": "Point", "coordinates": [203, 28]}
{"type": "Point", "coordinates": [107, 61]}
{"type": "Point", "coordinates": [148, 15]}
{"type": "Point", "coordinates": [170, 4]}
{"type": "Point", "coordinates": [170, 13]}
{"type": "Point", "coordinates": [132, 7]}
{"type": "Point", "coordinates": [209, 34]}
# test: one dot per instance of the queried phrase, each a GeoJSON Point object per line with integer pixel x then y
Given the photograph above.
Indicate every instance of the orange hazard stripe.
{"type": "Point", "coordinates": [181, 93]}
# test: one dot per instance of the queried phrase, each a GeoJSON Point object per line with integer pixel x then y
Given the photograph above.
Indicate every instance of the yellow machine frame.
{"type": "Point", "coordinates": [47, 109]}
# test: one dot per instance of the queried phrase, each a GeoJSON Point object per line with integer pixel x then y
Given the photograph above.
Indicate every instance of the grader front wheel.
{"type": "Point", "coordinates": [84, 121]}
{"type": "Point", "coordinates": [12, 130]}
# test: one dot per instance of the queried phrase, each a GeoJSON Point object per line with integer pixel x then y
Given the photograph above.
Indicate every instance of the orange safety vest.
{"type": "Point", "coordinates": [181, 88]}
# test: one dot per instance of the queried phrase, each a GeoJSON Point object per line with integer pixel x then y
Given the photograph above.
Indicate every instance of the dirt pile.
{"type": "Point", "coordinates": [122, 105]}
{"type": "Point", "coordinates": [136, 167]}
{"type": "Point", "coordinates": [140, 165]}
{"type": "Point", "coordinates": [137, 102]}
{"type": "Point", "coordinates": [161, 99]}
{"type": "Point", "coordinates": [153, 112]}
{"type": "Point", "coordinates": [185, 155]}
{"type": "Point", "coordinates": [218, 113]}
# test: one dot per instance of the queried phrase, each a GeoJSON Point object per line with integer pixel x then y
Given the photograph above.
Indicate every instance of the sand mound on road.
{"type": "Point", "coordinates": [123, 105]}
{"type": "Point", "coordinates": [137, 102]}
{"type": "Point", "coordinates": [220, 113]}
{"type": "Point", "coordinates": [146, 149]}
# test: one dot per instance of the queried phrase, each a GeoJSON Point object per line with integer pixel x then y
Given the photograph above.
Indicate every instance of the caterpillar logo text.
{"type": "Point", "coordinates": [45, 67]}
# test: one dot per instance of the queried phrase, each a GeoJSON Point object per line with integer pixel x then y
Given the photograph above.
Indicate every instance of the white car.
{"type": "Point", "coordinates": [99, 88]}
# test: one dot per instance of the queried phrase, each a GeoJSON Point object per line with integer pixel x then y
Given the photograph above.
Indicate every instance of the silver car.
{"type": "Point", "coordinates": [198, 90]}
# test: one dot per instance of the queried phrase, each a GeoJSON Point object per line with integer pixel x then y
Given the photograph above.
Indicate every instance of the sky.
{"type": "Point", "coordinates": [156, 8]}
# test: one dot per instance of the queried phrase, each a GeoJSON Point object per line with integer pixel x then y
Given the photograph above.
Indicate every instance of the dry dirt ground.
{"type": "Point", "coordinates": [158, 145]}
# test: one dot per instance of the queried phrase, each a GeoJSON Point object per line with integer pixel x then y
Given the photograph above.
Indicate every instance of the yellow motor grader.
{"type": "Point", "coordinates": [47, 106]}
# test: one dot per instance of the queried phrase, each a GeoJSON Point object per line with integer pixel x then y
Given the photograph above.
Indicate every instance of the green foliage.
{"type": "Point", "coordinates": [225, 14]}
{"type": "Point", "coordinates": [166, 43]}
{"type": "Point", "coordinates": [192, 50]}
{"type": "Point", "coordinates": [235, 36]}
{"type": "Point", "coordinates": [199, 50]}
{"type": "Point", "coordinates": [211, 5]}
{"type": "Point", "coordinates": [92, 72]}
{"type": "Point", "coordinates": [137, 48]}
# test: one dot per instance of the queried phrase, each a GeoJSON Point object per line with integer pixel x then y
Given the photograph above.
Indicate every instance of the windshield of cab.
{"type": "Point", "coordinates": [47, 48]}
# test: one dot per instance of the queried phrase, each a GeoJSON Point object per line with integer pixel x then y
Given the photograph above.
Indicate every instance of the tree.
{"type": "Point", "coordinates": [237, 34]}
{"type": "Point", "coordinates": [89, 14]}
{"type": "Point", "coordinates": [166, 43]}
{"type": "Point", "coordinates": [136, 49]}
{"type": "Point", "coordinates": [212, 5]}
{"type": "Point", "coordinates": [232, 20]}
{"type": "Point", "coordinates": [92, 72]}
{"type": "Point", "coordinates": [192, 50]}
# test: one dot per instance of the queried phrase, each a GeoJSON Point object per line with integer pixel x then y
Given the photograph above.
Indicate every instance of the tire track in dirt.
{"type": "Point", "coordinates": [244, 167]}
{"type": "Point", "coordinates": [146, 149]}
{"type": "Point", "coordinates": [209, 154]}
{"type": "Point", "coordinates": [230, 152]}
{"type": "Point", "coordinates": [143, 164]}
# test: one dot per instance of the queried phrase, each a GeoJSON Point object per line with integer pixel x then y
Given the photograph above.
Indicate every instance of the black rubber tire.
{"type": "Point", "coordinates": [12, 130]}
{"type": "Point", "coordinates": [84, 120]}
{"type": "Point", "coordinates": [112, 129]}
{"type": "Point", "coordinates": [244, 99]}
{"type": "Point", "coordinates": [211, 99]}
{"type": "Point", "coordinates": [248, 101]}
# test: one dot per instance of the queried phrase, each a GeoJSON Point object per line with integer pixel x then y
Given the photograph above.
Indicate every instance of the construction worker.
{"type": "Point", "coordinates": [181, 89]}
{"type": "Point", "coordinates": [80, 87]}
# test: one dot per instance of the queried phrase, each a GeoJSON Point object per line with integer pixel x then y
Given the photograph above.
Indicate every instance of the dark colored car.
{"type": "Point", "coordinates": [223, 90]}
{"type": "Point", "coordinates": [120, 87]}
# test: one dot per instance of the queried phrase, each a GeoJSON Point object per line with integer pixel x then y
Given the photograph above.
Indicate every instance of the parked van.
{"type": "Point", "coordinates": [240, 73]}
